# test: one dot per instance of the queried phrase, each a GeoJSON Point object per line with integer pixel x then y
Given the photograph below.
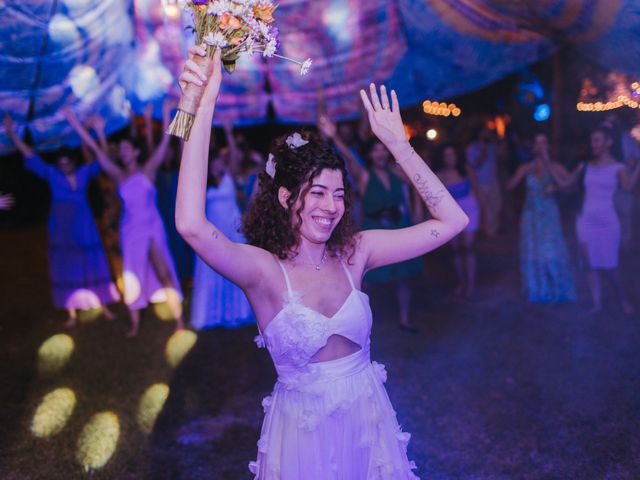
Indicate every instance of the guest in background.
{"type": "Point", "coordinates": [217, 302]}
{"type": "Point", "coordinates": [547, 276]}
{"type": "Point", "coordinates": [78, 268]}
{"type": "Point", "coordinates": [482, 158]}
{"type": "Point", "coordinates": [384, 206]}
{"type": "Point", "coordinates": [149, 274]}
{"type": "Point", "coordinates": [598, 225]}
{"type": "Point", "coordinates": [462, 185]}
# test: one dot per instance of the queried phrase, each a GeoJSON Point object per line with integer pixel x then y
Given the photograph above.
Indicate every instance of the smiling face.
{"type": "Point", "coordinates": [324, 206]}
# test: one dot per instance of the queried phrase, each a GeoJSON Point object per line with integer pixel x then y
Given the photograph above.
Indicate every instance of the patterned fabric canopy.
{"type": "Point", "coordinates": [58, 54]}
{"type": "Point", "coordinates": [85, 53]}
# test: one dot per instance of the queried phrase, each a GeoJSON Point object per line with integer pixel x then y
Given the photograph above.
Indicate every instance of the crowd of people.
{"type": "Point", "coordinates": [153, 264]}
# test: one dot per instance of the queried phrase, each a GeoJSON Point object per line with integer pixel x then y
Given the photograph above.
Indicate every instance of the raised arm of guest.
{"type": "Point", "coordinates": [152, 165]}
{"type": "Point", "coordinates": [6, 201]}
{"type": "Point", "coordinates": [383, 247]}
{"type": "Point", "coordinates": [563, 177]}
{"type": "Point", "coordinates": [364, 129]}
{"type": "Point", "coordinates": [240, 263]}
{"type": "Point", "coordinates": [32, 160]}
{"type": "Point", "coordinates": [520, 173]}
{"type": "Point", "coordinates": [235, 155]}
{"type": "Point", "coordinates": [629, 177]}
{"type": "Point", "coordinates": [359, 173]}
{"type": "Point", "coordinates": [107, 164]}
{"type": "Point", "coordinates": [20, 144]}
{"type": "Point", "coordinates": [147, 114]}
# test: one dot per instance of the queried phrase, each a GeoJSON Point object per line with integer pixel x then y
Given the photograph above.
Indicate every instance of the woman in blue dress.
{"type": "Point", "coordinates": [78, 268]}
{"type": "Point", "coordinates": [547, 276]}
{"type": "Point", "coordinates": [216, 301]}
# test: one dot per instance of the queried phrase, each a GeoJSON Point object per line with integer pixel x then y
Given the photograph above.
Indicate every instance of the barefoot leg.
{"type": "Point", "coordinates": [161, 267]}
{"type": "Point", "coordinates": [72, 318]}
{"type": "Point", "coordinates": [135, 323]}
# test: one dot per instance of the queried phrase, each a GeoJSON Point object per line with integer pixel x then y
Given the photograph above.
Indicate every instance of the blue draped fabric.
{"type": "Point", "coordinates": [58, 54]}
{"type": "Point", "coordinates": [85, 53]}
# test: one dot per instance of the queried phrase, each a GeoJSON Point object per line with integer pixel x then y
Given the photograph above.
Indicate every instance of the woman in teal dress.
{"type": "Point", "coordinates": [384, 205]}
{"type": "Point", "coordinates": [547, 276]}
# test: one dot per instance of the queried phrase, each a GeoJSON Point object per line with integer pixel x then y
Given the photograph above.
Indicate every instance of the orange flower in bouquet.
{"type": "Point", "coordinates": [234, 26]}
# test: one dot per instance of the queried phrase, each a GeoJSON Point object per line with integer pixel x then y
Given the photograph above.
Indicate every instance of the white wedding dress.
{"type": "Point", "coordinates": [327, 420]}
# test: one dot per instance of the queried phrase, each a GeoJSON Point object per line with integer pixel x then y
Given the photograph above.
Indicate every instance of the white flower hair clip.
{"type": "Point", "coordinates": [270, 167]}
{"type": "Point", "coordinates": [296, 140]}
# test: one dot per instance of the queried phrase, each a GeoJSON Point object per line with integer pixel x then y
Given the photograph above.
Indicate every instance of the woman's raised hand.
{"type": "Point", "coordinates": [6, 201]}
{"type": "Point", "coordinates": [194, 73]}
{"type": "Point", "coordinates": [384, 116]}
{"type": "Point", "coordinates": [327, 127]}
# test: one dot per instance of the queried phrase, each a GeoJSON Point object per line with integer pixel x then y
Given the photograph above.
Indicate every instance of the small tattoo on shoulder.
{"type": "Point", "coordinates": [215, 234]}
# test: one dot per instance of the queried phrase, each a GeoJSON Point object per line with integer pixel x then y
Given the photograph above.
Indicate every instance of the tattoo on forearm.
{"type": "Point", "coordinates": [431, 198]}
{"type": "Point", "coordinates": [435, 233]}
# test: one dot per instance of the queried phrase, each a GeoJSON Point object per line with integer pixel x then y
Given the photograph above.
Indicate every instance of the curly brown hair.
{"type": "Point", "coordinates": [267, 225]}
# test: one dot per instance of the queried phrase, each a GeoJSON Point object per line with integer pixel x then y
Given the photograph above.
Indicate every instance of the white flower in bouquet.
{"type": "Point", "coordinates": [215, 40]}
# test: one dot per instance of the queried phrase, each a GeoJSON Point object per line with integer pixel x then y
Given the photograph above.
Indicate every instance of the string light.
{"type": "Point", "coordinates": [620, 95]}
{"type": "Point", "coordinates": [605, 106]}
{"type": "Point", "coordinates": [431, 107]}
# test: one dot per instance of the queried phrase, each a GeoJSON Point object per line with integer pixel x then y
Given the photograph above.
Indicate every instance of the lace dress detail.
{"type": "Point", "coordinates": [327, 420]}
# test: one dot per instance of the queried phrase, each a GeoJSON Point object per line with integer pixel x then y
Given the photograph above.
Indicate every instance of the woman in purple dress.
{"type": "Point", "coordinates": [78, 268]}
{"type": "Point", "coordinates": [462, 185]}
{"type": "Point", "coordinates": [598, 225]}
{"type": "Point", "coordinates": [149, 274]}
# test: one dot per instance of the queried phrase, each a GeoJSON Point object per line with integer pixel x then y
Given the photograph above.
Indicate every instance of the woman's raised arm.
{"type": "Point", "coordinates": [383, 247]}
{"type": "Point", "coordinates": [238, 262]}
{"type": "Point", "coordinates": [105, 161]}
{"type": "Point", "coordinates": [24, 149]}
{"type": "Point", "coordinates": [153, 164]}
{"type": "Point", "coordinates": [359, 173]}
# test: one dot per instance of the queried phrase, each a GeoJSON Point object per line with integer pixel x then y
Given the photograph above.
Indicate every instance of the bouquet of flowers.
{"type": "Point", "coordinates": [235, 26]}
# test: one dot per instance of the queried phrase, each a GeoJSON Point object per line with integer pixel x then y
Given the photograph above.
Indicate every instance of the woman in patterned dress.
{"type": "Point", "coordinates": [546, 272]}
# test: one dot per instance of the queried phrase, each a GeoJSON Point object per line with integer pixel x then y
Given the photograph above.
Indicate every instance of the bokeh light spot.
{"type": "Point", "coordinates": [53, 413]}
{"type": "Point", "coordinates": [55, 353]}
{"type": "Point", "coordinates": [167, 303]}
{"type": "Point", "coordinates": [98, 441]}
{"type": "Point", "coordinates": [150, 406]}
{"type": "Point", "coordinates": [62, 29]}
{"type": "Point", "coordinates": [83, 299]}
{"type": "Point", "coordinates": [131, 287]}
{"type": "Point", "coordinates": [178, 346]}
{"type": "Point", "coordinates": [83, 80]}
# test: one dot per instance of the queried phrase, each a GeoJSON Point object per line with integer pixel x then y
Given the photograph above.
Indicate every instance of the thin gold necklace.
{"type": "Point", "coordinates": [313, 264]}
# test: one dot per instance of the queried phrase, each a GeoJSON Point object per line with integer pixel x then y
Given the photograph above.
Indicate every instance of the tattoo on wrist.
{"type": "Point", "coordinates": [430, 198]}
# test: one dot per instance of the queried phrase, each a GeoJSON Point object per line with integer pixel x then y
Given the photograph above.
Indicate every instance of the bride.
{"type": "Point", "coordinates": [329, 415]}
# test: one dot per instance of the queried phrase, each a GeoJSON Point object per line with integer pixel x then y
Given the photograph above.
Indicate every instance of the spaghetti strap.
{"type": "Point", "coordinates": [286, 277]}
{"type": "Point", "coordinates": [346, 270]}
